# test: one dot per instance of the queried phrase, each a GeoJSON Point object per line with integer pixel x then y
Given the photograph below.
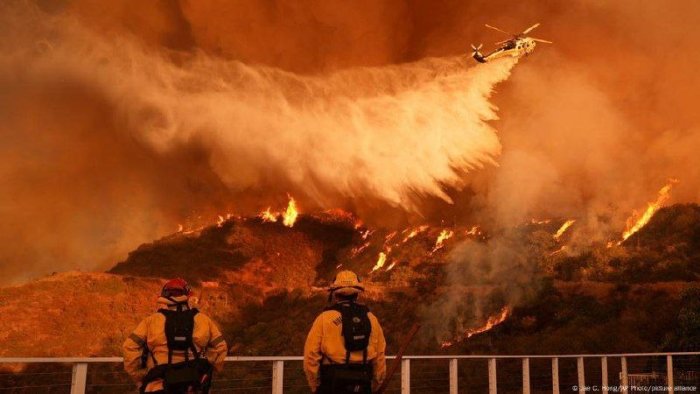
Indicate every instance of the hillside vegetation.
{"type": "Point", "coordinates": [263, 283]}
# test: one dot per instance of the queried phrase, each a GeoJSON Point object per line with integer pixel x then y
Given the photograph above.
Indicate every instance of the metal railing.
{"type": "Point", "coordinates": [79, 378]}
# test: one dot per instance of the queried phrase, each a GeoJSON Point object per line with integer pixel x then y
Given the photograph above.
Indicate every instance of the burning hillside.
{"type": "Point", "coordinates": [142, 116]}
{"type": "Point", "coordinates": [276, 251]}
{"type": "Point", "coordinates": [477, 281]}
{"type": "Point", "coordinates": [237, 130]}
{"type": "Point", "coordinates": [288, 140]}
{"type": "Point", "coordinates": [636, 222]}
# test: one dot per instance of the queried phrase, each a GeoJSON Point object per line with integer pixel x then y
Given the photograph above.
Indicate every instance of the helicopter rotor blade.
{"type": "Point", "coordinates": [541, 40]}
{"type": "Point", "coordinates": [497, 29]}
{"type": "Point", "coordinates": [529, 29]}
{"type": "Point", "coordinates": [501, 42]}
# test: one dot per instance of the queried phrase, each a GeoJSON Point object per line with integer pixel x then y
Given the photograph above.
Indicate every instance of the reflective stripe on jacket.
{"type": "Point", "coordinates": [151, 332]}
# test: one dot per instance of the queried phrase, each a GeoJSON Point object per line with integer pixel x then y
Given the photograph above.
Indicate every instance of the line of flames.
{"type": "Point", "coordinates": [412, 233]}
{"type": "Point", "coordinates": [563, 228]}
{"type": "Point", "coordinates": [381, 260]}
{"type": "Point", "coordinates": [491, 322]}
{"type": "Point", "coordinates": [635, 225]}
{"type": "Point", "coordinates": [440, 241]}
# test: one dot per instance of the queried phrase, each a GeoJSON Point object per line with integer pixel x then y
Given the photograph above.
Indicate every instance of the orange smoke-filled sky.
{"type": "Point", "coordinates": [91, 167]}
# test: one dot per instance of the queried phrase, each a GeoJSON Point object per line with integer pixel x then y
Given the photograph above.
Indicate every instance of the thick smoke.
{"type": "Point", "coordinates": [102, 149]}
{"type": "Point", "coordinates": [389, 133]}
{"type": "Point", "coordinates": [481, 279]}
{"type": "Point", "coordinates": [112, 108]}
{"type": "Point", "coordinates": [592, 127]}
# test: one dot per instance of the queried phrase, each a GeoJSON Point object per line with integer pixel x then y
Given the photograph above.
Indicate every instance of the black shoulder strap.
{"type": "Point", "coordinates": [365, 311]}
{"type": "Point", "coordinates": [179, 328]}
{"type": "Point", "coordinates": [348, 311]}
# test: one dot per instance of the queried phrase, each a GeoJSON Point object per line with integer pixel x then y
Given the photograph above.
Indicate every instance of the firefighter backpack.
{"type": "Point", "coordinates": [191, 375]}
{"type": "Point", "coordinates": [356, 330]}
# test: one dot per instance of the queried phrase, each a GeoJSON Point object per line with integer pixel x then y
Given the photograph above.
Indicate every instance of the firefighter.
{"type": "Point", "coordinates": [345, 349]}
{"type": "Point", "coordinates": [176, 349]}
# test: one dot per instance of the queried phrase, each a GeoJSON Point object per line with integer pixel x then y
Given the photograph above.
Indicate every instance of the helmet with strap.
{"type": "Point", "coordinates": [177, 293]}
{"type": "Point", "coordinates": [347, 283]}
{"type": "Point", "coordinates": [177, 287]}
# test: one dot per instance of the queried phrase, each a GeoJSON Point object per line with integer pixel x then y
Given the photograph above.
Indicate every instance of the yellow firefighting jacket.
{"type": "Point", "coordinates": [325, 344]}
{"type": "Point", "coordinates": [151, 332]}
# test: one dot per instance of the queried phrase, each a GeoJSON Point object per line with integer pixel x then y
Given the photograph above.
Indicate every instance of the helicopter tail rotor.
{"type": "Point", "coordinates": [477, 55]}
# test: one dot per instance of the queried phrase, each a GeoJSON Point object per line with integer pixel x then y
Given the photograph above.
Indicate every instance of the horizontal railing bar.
{"type": "Point", "coordinates": [7, 360]}
{"type": "Point", "coordinates": [547, 356]}
{"type": "Point", "coordinates": [68, 360]}
{"type": "Point", "coordinates": [264, 358]}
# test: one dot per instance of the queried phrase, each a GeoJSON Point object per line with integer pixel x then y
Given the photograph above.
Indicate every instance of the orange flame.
{"type": "Point", "coordinates": [475, 230]}
{"type": "Point", "coordinates": [634, 226]}
{"type": "Point", "coordinates": [289, 216]}
{"type": "Point", "coordinates": [268, 216]}
{"type": "Point", "coordinates": [440, 241]}
{"type": "Point", "coordinates": [563, 228]}
{"type": "Point", "coordinates": [414, 232]}
{"type": "Point", "coordinates": [491, 322]}
{"type": "Point", "coordinates": [380, 261]}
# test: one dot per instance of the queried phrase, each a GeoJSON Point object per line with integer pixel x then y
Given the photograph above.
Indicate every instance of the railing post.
{"type": "Point", "coordinates": [581, 375]}
{"type": "Point", "coordinates": [669, 373]}
{"type": "Point", "coordinates": [454, 373]}
{"type": "Point", "coordinates": [277, 376]}
{"type": "Point", "coordinates": [555, 375]}
{"type": "Point", "coordinates": [604, 373]}
{"type": "Point", "coordinates": [79, 379]}
{"type": "Point", "coordinates": [493, 385]}
{"type": "Point", "coordinates": [405, 376]}
{"type": "Point", "coordinates": [526, 375]}
{"type": "Point", "coordinates": [623, 374]}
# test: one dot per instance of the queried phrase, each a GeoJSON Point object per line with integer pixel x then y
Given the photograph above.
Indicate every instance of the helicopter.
{"type": "Point", "coordinates": [517, 46]}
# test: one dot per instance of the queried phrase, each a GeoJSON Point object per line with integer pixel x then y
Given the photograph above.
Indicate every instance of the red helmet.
{"type": "Point", "coordinates": [175, 288]}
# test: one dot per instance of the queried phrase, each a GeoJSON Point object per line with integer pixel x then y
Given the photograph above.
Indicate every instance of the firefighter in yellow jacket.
{"type": "Point", "coordinates": [172, 348]}
{"type": "Point", "coordinates": [345, 349]}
